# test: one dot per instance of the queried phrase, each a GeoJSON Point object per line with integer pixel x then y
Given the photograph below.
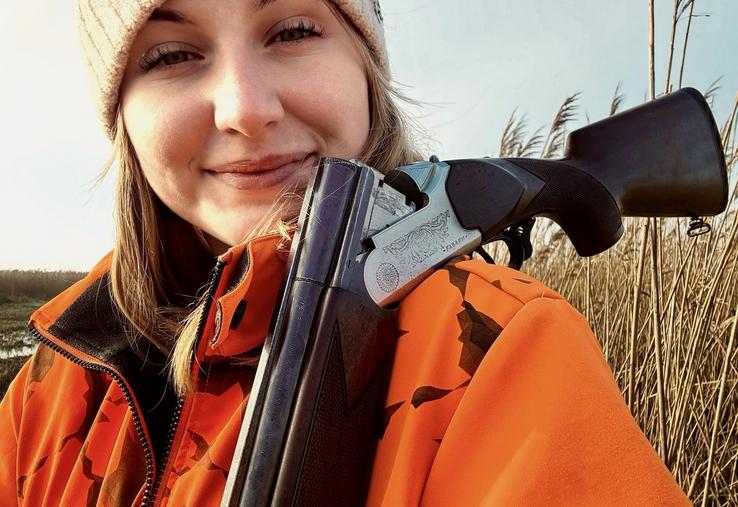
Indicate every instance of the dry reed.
{"type": "Point", "coordinates": [666, 319]}
{"type": "Point", "coordinates": [667, 327]}
{"type": "Point", "coordinates": [681, 382]}
{"type": "Point", "coordinates": [664, 305]}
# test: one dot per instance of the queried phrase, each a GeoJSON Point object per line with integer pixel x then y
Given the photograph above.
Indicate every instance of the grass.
{"type": "Point", "coordinates": [14, 313]}
{"type": "Point", "coordinates": [22, 292]}
{"type": "Point", "coordinates": [15, 339]}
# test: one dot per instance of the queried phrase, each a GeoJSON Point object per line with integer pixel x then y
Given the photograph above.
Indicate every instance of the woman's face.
{"type": "Point", "coordinates": [229, 103]}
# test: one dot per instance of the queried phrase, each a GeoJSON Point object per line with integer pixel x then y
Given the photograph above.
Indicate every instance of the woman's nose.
{"type": "Point", "coordinates": [246, 101]}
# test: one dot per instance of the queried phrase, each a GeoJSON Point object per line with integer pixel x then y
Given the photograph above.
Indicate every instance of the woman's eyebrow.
{"type": "Point", "coordinates": [260, 4]}
{"type": "Point", "coordinates": [169, 15]}
{"type": "Point", "coordinates": [175, 16]}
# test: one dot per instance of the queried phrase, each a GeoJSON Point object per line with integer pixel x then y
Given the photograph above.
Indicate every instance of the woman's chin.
{"type": "Point", "coordinates": [235, 224]}
{"type": "Point", "coordinates": [226, 237]}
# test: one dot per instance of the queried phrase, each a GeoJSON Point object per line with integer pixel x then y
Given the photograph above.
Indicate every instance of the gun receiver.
{"type": "Point", "coordinates": [365, 239]}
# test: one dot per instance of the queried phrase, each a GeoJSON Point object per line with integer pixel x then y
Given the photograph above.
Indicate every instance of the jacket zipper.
{"type": "Point", "coordinates": [126, 394]}
{"type": "Point", "coordinates": [165, 455]}
{"type": "Point", "coordinates": [152, 483]}
{"type": "Point", "coordinates": [212, 285]}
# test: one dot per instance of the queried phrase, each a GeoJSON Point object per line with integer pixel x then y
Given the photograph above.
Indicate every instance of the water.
{"type": "Point", "coordinates": [16, 343]}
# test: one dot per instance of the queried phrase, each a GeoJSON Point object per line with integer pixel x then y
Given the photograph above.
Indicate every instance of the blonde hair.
{"type": "Point", "coordinates": [138, 283]}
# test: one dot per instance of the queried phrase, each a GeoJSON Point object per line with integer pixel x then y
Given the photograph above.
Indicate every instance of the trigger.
{"type": "Point", "coordinates": [517, 239]}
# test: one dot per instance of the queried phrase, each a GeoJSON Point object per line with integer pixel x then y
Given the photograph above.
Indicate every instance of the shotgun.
{"type": "Point", "coordinates": [365, 239]}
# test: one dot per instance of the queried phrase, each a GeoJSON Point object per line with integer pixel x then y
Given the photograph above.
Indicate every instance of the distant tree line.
{"type": "Point", "coordinates": [35, 284]}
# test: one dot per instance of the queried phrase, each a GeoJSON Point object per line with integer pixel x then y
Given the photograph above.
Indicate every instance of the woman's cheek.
{"type": "Point", "coordinates": [164, 132]}
{"type": "Point", "coordinates": [344, 106]}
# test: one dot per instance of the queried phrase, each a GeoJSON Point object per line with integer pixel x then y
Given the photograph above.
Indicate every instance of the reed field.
{"type": "Point", "coordinates": [663, 305]}
{"type": "Point", "coordinates": [36, 284]}
{"type": "Point", "coordinates": [666, 320]}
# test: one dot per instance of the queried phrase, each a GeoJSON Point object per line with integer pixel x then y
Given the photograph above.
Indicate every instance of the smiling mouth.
{"type": "Point", "coordinates": [263, 174]}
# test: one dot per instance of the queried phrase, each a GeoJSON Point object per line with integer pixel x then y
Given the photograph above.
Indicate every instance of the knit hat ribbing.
{"type": "Point", "coordinates": [107, 29]}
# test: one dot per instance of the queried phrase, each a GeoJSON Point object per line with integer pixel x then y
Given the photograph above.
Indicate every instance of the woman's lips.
{"type": "Point", "coordinates": [262, 174]}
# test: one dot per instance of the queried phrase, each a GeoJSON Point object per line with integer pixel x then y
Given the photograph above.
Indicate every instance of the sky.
{"type": "Point", "coordinates": [467, 63]}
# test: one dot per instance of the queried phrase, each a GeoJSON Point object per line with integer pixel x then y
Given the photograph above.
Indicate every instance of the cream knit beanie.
{"type": "Point", "coordinates": [107, 29]}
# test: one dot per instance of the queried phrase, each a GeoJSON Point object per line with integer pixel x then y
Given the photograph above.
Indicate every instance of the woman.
{"type": "Point", "coordinates": [218, 112]}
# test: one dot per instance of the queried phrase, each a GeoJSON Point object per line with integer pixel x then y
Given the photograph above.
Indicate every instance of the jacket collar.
{"type": "Point", "coordinates": [244, 300]}
{"type": "Point", "coordinates": [85, 321]}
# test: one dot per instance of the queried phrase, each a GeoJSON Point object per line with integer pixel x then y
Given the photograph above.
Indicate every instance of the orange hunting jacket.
{"type": "Point", "coordinates": [499, 395]}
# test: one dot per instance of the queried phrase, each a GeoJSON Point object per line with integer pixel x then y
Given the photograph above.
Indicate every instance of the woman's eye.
{"type": "Point", "coordinates": [291, 34]}
{"type": "Point", "coordinates": [166, 57]}
{"type": "Point", "coordinates": [298, 31]}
